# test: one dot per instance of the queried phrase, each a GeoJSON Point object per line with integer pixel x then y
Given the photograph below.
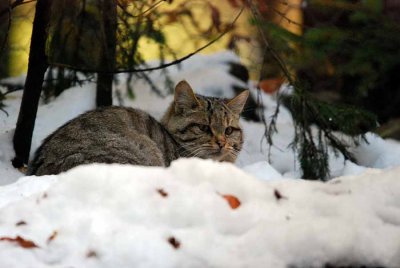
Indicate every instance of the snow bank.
{"type": "Point", "coordinates": [126, 216]}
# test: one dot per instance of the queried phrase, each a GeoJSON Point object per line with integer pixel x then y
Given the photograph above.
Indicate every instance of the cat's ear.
{"type": "Point", "coordinates": [184, 96]}
{"type": "Point", "coordinates": [237, 103]}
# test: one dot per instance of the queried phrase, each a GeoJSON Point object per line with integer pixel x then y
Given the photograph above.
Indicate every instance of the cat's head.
{"type": "Point", "coordinates": [205, 127]}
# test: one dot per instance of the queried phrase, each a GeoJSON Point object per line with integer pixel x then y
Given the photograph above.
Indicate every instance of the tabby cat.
{"type": "Point", "coordinates": [193, 126]}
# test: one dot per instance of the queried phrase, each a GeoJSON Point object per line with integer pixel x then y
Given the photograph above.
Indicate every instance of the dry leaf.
{"type": "Point", "coordinates": [215, 17]}
{"type": "Point", "coordinates": [162, 192]}
{"type": "Point", "coordinates": [233, 201]}
{"type": "Point", "coordinates": [174, 242]}
{"type": "Point", "coordinates": [271, 85]}
{"type": "Point", "coordinates": [20, 223]}
{"type": "Point", "coordinates": [51, 238]}
{"type": "Point", "coordinates": [278, 195]}
{"type": "Point", "coordinates": [91, 254]}
{"type": "Point", "coordinates": [23, 169]}
{"type": "Point", "coordinates": [20, 241]}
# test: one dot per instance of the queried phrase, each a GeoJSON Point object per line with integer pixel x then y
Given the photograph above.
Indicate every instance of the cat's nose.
{"type": "Point", "coordinates": [221, 142]}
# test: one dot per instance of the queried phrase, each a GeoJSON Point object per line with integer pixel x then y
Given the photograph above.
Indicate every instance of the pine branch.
{"type": "Point", "coordinates": [313, 150]}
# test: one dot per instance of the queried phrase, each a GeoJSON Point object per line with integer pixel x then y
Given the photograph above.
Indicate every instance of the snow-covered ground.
{"type": "Point", "coordinates": [124, 216]}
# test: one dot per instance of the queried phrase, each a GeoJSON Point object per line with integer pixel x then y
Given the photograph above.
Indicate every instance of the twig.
{"type": "Point", "coordinates": [161, 66]}
{"type": "Point", "coordinates": [11, 88]}
{"type": "Point", "coordinates": [3, 46]}
{"type": "Point", "coordinates": [14, 5]}
{"type": "Point", "coordinates": [270, 128]}
{"type": "Point", "coordinates": [142, 13]}
{"type": "Point", "coordinates": [256, 14]}
{"type": "Point", "coordinates": [283, 15]}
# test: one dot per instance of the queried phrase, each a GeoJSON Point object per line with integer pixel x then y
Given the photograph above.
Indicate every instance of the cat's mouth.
{"type": "Point", "coordinates": [223, 155]}
{"type": "Point", "coordinates": [218, 154]}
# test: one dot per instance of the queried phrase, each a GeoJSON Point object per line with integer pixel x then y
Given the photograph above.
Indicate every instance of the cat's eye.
{"type": "Point", "coordinates": [204, 128]}
{"type": "Point", "coordinates": [228, 130]}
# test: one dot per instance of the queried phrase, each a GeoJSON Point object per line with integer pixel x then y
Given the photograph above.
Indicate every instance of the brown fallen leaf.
{"type": "Point", "coordinates": [52, 236]}
{"type": "Point", "coordinates": [162, 192]}
{"type": "Point", "coordinates": [20, 223]}
{"type": "Point", "coordinates": [20, 241]}
{"type": "Point", "coordinates": [23, 169]}
{"type": "Point", "coordinates": [91, 254]}
{"type": "Point", "coordinates": [233, 201]}
{"type": "Point", "coordinates": [174, 242]}
{"type": "Point", "coordinates": [278, 195]}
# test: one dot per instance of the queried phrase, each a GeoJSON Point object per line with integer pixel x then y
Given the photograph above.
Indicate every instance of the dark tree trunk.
{"type": "Point", "coordinates": [33, 85]}
{"type": "Point", "coordinates": [104, 80]}
{"type": "Point", "coordinates": [104, 90]}
{"type": "Point", "coordinates": [250, 109]}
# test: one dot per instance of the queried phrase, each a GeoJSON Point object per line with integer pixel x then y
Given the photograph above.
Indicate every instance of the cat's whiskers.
{"type": "Point", "coordinates": [233, 152]}
{"type": "Point", "coordinates": [194, 152]}
{"type": "Point", "coordinates": [198, 153]}
{"type": "Point", "coordinates": [184, 149]}
{"type": "Point", "coordinates": [189, 150]}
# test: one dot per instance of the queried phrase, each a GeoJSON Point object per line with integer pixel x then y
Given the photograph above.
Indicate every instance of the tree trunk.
{"type": "Point", "coordinates": [33, 84]}
{"type": "Point", "coordinates": [104, 80]}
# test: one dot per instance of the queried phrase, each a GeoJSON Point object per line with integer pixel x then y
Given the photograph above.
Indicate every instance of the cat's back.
{"type": "Point", "coordinates": [110, 119]}
{"type": "Point", "coordinates": [101, 123]}
{"type": "Point", "coordinates": [105, 135]}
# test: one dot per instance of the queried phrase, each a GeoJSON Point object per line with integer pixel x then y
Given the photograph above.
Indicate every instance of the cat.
{"type": "Point", "coordinates": [193, 126]}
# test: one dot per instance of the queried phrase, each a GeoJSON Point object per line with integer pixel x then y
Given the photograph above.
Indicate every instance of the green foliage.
{"type": "Point", "coordinates": [347, 119]}
{"type": "Point", "coordinates": [353, 52]}
{"type": "Point", "coordinates": [356, 56]}
{"type": "Point", "coordinates": [312, 145]}
{"type": "Point", "coordinates": [313, 158]}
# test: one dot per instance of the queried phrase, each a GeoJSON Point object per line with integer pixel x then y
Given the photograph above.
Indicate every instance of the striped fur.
{"type": "Point", "coordinates": [193, 126]}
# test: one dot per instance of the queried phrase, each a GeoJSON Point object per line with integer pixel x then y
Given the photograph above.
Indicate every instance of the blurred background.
{"type": "Point", "coordinates": [344, 51]}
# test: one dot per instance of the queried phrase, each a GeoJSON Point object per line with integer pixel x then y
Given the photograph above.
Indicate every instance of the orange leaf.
{"type": "Point", "coordinates": [270, 85]}
{"type": "Point", "coordinates": [20, 241]}
{"type": "Point", "coordinates": [233, 201]}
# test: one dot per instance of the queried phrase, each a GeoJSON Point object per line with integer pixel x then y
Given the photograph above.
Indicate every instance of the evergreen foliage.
{"type": "Point", "coordinates": [312, 146]}
{"type": "Point", "coordinates": [316, 122]}
{"type": "Point", "coordinates": [348, 49]}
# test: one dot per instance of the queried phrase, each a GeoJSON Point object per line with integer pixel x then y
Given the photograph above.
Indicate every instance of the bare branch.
{"type": "Point", "coordinates": [3, 46]}
{"type": "Point", "coordinates": [156, 4]}
{"type": "Point", "coordinates": [256, 15]}
{"type": "Point", "coordinates": [8, 10]}
{"type": "Point", "coordinates": [14, 5]}
{"type": "Point", "coordinates": [283, 15]}
{"type": "Point", "coordinates": [161, 66]}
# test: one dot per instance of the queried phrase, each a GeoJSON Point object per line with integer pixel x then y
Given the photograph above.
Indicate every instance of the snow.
{"type": "Point", "coordinates": [117, 216]}
{"type": "Point", "coordinates": [118, 213]}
